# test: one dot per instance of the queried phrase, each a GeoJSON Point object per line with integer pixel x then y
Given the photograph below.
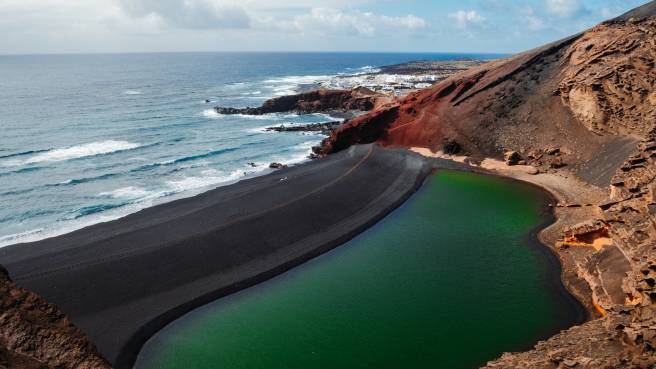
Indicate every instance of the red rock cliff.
{"type": "Point", "coordinates": [574, 93]}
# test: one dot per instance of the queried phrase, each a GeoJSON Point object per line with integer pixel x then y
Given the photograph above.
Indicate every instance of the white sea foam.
{"type": "Point", "coordinates": [299, 153]}
{"type": "Point", "coordinates": [330, 117]}
{"type": "Point", "coordinates": [289, 85]}
{"type": "Point", "coordinates": [130, 192]}
{"type": "Point", "coordinates": [212, 114]}
{"type": "Point", "coordinates": [207, 179]}
{"type": "Point", "coordinates": [297, 80]}
{"type": "Point", "coordinates": [173, 188]}
{"type": "Point", "coordinates": [284, 90]}
{"type": "Point", "coordinates": [67, 226]}
{"type": "Point", "coordinates": [210, 178]}
{"type": "Point", "coordinates": [262, 129]}
{"type": "Point", "coordinates": [20, 237]}
{"type": "Point", "coordinates": [181, 183]}
{"type": "Point", "coordinates": [75, 152]}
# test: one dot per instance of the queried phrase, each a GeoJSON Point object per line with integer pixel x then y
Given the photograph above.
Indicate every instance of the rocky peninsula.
{"type": "Point", "coordinates": [314, 101]}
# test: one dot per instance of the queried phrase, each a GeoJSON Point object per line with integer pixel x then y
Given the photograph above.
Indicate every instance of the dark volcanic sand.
{"type": "Point", "coordinates": [122, 281]}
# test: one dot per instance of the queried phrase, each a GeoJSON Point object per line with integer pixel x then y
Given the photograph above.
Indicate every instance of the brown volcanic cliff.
{"type": "Point", "coordinates": [582, 110]}
{"type": "Point", "coordinates": [34, 334]}
{"type": "Point", "coordinates": [578, 93]}
{"type": "Point", "coordinates": [315, 101]}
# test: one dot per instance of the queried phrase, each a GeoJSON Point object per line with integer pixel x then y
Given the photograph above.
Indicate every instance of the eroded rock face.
{"type": "Point", "coordinates": [34, 334]}
{"type": "Point", "coordinates": [610, 77]}
{"type": "Point", "coordinates": [625, 339]}
{"type": "Point", "coordinates": [574, 94]}
{"type": "Point", "coordinates": [314, 101]}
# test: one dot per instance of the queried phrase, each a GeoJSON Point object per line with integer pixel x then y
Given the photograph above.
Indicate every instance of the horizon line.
{"type": "Point", "coordinates": [256, 52]}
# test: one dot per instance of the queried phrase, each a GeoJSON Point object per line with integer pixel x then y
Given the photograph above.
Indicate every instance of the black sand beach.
{"type": "Point", "coordinates": [122, 281]}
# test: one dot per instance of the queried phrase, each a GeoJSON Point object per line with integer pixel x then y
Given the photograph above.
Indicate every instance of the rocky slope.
{"type": "Point", "coordinates": [315, 101]}
{"type": "Point", "coordinates": [581, 110]}
{"type": "Point", "coordinates": [34, 334]}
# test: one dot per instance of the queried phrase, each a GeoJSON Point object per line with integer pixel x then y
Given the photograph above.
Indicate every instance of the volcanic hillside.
{"type": "Point", "coordinates": [581, 111]}
{"type": "Point", "coordinates": [579, 93]}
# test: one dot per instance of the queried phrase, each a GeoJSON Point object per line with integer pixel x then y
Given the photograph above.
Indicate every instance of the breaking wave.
{"type": "Point", "coordinates": [76, 152]}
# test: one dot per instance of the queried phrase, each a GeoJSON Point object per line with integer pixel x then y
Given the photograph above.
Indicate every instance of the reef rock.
{"type": "Point", "coordinates": [277, 166]}
{"type": "Point", "coordinates": [324, 128]}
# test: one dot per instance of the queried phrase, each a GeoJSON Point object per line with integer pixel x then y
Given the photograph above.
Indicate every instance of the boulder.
{"type": "Point", "coordinates": [557, 162]}
{"type": "Point", "coordinates": [512, 157]}
{"type": "Point", "coordinates": [277, 165]}
{"type": "Point", "coordinates": [451, 147]}
{"type": "Point", "coordinates": [552, 151]}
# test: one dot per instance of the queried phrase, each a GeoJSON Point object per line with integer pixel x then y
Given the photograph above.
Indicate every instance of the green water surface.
{"type": "Point", "coordinates": [450, 280]}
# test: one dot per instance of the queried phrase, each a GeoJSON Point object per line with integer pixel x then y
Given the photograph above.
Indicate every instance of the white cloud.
{"type": "Point", "coordinates": [610, 12]}
{"type": "Point", "coordinates": [334, 21]}
{"type": "Point", "coordinates": [563, 8]}
{"type": "Point", "coordinates": [464, 18]}
{"type": "Point", "coordinates": [192, 14]}
{"type": "Point", "coordinates": [531, 20]}
{"type": "Point", "coordinates": [55, 26]}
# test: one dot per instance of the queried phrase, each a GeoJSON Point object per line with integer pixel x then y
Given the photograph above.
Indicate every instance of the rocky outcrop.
{"type": "Point", "coordinates": [609, 77]}
{"type": "Point", "coordinates": [34, 334]}
{"type": "Point", "coordinates": [314, 101]}
{"type": "Point", "coordinates": [323, 128]}
{"type": "Point", "coordinates": [582, 109]}
{"type": "Point", "coordinates": [624, 340]}
{"type": "Point", "coordinates": [512, 158]}
{"type": "Point", "coordinates": [276, 165]}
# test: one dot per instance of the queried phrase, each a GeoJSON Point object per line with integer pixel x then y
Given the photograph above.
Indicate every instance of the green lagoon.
{"type": "Point", "coordinates": [450, 280]}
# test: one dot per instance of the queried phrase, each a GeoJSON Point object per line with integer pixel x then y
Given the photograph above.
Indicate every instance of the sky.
{"type": "Point", "coordinates": [114, 26]}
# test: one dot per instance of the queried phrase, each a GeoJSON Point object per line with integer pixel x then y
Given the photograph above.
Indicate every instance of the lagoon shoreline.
{"type": "Point", "coordinates": [96, 263]}
{"type": "Point", "coordinates": [128, 278]}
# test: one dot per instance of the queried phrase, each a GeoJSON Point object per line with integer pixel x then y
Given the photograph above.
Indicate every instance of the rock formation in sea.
{"type": "Point", "coordinates": [315, 101]}
{"type": "Point", "coordinates": [324, 128]}
{"type": "Point", "coordinates": [35, 334]}
{"type": "Point", "coordinates": [582, 110]}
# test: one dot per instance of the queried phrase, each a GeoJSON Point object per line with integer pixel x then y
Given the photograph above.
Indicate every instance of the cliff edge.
{"type": "Point", "coordinates": [35, 334]}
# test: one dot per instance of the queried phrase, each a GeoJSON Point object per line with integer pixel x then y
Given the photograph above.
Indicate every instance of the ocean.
{"type": "Point", "coordinates": [91, 138]}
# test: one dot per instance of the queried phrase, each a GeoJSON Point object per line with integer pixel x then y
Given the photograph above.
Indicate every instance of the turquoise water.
{"type": "Point", "coordinates": [450, 280]}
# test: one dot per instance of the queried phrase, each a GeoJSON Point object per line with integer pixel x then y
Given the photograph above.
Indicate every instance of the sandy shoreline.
{"type": "Point", "coordinates": [572, 204]}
